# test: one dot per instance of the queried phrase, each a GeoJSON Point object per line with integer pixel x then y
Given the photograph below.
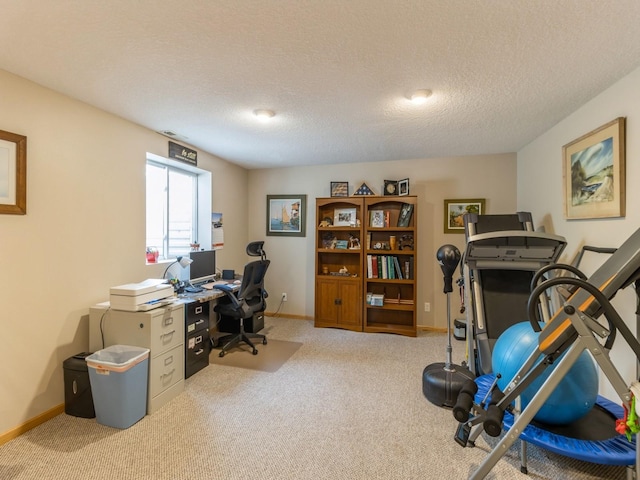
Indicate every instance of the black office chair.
{"type": "Point", "coordinates": [248, 301]}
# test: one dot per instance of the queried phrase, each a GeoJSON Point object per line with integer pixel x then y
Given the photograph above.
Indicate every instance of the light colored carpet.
{"type": "Point", "coordinates": [270, 357]}
{"type": "Point", "coordinates": [344, 406]}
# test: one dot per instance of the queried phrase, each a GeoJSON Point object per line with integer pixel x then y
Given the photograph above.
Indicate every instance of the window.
{"type": "Point", "coordinates": [178, 207]}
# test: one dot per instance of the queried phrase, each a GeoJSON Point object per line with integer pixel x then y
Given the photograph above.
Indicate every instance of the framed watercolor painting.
{"type": "Point", "coordinates": [593, 172]}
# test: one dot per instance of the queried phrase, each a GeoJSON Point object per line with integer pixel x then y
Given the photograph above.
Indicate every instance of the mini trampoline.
{"type": "Point", "coordinates": [593, 438]}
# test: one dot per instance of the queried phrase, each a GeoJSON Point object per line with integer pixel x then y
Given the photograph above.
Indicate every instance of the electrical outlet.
{"type": "Point", "coordinates": [284, 297]}
{"type": "Point", "coordinates": [427, 307]}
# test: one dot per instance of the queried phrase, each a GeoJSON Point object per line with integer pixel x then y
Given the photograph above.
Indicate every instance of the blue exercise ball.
{"type": "Point", "coordinates": [572, 398]}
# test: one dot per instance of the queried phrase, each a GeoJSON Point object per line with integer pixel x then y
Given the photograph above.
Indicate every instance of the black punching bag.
{"type": "Point", "coordinates": [441, 382]}
{"type": "Point", "coordinates": [448, 257]}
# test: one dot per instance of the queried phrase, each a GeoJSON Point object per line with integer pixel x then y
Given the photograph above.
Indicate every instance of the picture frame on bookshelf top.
{"type": "Point", "coordinates": [403, 187]}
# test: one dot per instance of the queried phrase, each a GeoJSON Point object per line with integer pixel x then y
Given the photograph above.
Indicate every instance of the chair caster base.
{"type": "Point", "coordinates": [255, 351]}
{"type": "Point", "coordinates": [221, 354]}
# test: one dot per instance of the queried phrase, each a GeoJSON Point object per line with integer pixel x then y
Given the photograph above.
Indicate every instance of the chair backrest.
{"type": "Point", "coordinates": [252, 287]}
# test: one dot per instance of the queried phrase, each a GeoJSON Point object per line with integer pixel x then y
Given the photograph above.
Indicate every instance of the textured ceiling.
{"type": "Point", "coordinates": [337, 72]}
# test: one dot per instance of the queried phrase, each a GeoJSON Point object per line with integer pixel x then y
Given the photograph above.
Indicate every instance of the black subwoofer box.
{"type": "Point", "coordinates": [252, 324]}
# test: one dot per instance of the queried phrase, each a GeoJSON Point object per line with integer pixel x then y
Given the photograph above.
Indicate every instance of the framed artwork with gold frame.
{"type": "Point", "coordinates": [593, 173]}
{"type": "Point", "coordinates": [13, 173]}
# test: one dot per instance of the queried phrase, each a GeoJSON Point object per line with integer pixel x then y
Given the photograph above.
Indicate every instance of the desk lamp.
{"type": "Point", "coordinates": [183, 261]}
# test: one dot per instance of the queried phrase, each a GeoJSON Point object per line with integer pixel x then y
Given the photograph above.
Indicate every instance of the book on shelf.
{"type": "Point", "coordinates": [405, 215]}
{"type": "Point", "coordinates": [388, 267]}
{"type": "Point", "coordinates": [408, 269]}
{"type": "Point", "coordinates": [398, 270]}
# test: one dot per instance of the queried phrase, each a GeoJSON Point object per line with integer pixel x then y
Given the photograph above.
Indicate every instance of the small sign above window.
{"type": "Point", "coordinates": [184, 154]}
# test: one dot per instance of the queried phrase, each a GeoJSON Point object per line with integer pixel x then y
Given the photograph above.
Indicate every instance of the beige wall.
{"type": "Point", "coordinates": [84, 232]}
{"type": "Point", "coordinates": [492, 177]}
{"type": "Point", "coordinates": [540, 190]}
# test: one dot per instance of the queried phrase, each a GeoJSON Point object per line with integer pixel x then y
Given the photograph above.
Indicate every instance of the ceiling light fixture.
{"type": "Point", "coordinates": [264, 115]}
{"type": "Point", "coordinates": [420, 96]}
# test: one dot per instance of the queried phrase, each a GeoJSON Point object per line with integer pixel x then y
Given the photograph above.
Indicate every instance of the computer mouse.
{"type": "Point", "coordinates": [237, 282]}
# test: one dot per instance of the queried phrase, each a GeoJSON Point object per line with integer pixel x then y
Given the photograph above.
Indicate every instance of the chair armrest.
{"type": "Point", "coordinates": [229, 291]}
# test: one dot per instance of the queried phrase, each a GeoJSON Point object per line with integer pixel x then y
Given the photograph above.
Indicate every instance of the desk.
{"type": "Point", "coordinates": [177, 335]}
{"type": "Point", "coordinates": [201, 327]}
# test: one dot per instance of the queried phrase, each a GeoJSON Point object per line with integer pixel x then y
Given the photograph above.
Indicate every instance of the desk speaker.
{"type": "Point", "coordinates": [228, 274]}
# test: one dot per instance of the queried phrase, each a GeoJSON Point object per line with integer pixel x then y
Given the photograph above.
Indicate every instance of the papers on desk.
{"type": "Point", "coordinates": [209, 286]}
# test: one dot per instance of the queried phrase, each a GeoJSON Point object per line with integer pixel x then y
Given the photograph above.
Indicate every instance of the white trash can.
{"type": "Point", "coordinates": [118, 376]}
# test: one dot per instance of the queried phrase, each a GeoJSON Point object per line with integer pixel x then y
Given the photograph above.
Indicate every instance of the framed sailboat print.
{"type": "Point", "coordinates": [286, 215]}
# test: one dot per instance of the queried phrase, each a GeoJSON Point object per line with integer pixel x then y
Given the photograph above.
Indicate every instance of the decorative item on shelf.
{"type": "Point", "coordinates": [377, 300]}
{"type": "Point", "coordinates": [328, 240]}
{"type": "Point", "coordinates": [380, 245]}
{"type": "Point", "coordinates": [406, 242]}
{"type": "Point", "coordinates": [344, 217]}
{"type": "Point", "coordinates": [325, 270]}
{"type": "Point", "coordinates": [405, 215]}
{"type": "Point", "coordinates": [342, 244]}
{"type": "Point", "coordinates": [326, 222]}
{"type": "Point", "coordinates": [364, 189]}
{"type": "Point", "coordinates": [393, 244]}
{"type": "Point", "coordinates": [195, 246]}
{"type": "Point", "coordinates": [376, 218]}
{"type": "Point", "coordinates": [390, 187]}
{"type": "Point", "coordinates": [339, 189]}
{"type": "Point", "coordinates": [403, 187]}
{"type": "Point", "coordinates": [152, 255]}
{"type": "Point", "coordinates": [354, 243]}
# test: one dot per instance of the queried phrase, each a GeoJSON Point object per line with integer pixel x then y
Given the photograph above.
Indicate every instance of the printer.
{"type": "Point", "coordinates": [141, 297]}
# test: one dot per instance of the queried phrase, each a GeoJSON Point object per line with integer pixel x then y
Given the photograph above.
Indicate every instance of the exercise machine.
{"type": "Point", "coordinates": [586, 321]}
{"type": "Point", "coordinates": [502, 255]}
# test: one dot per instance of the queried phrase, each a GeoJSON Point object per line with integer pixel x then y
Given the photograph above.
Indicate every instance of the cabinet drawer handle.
{"type": "Point", "coordinates": [199, 351]}
{"type": "Point", "coordinates": [165, 375]}
{"type": "Point", "coordinates": [198, 309]}
{"type": "Point", "coordinates": [168, 334]}
{"type": "Point", "coordinates": [200, 321]}
{"type": "Point", "coordinates": [168, 321]}
{"type": "Point", "coordinates": [168, 360]}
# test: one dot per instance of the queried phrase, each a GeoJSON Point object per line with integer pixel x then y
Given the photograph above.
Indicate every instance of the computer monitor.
{"type": "Point", "coordinates": [203, 267]}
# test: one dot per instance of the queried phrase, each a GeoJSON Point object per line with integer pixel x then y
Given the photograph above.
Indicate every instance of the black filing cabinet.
{"type": "Point", "coordinates": [197, 346]}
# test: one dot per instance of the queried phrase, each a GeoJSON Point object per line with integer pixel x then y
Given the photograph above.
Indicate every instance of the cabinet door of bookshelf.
{"type": "Point", "coordinates": [390, 264]}
{"type": "Point", "coordinates": [339, 303]}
